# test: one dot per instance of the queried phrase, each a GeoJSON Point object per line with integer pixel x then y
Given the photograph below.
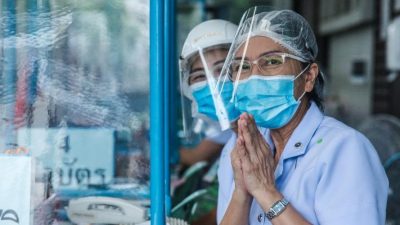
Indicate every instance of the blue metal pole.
{"type": "Point", "coordinates": [173, 79]}
{"type": "Point", "coordinates": [174, 82]}
{"type": "Point", "coordinates": [10, 73]}
{"type": "Point", "coordinates": [157, 189]}
{"type": "Point", "coordinates": [169, 96]}
{"type": "Point", "coordinates": [166, 96]}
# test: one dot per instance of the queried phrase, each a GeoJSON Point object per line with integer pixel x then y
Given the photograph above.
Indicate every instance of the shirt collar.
{"type": "Point", "coordinates": [301, 137]}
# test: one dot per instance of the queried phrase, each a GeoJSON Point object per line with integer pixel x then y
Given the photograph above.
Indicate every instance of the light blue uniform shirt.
{"type": "Point", "coordinates": [329, 172]}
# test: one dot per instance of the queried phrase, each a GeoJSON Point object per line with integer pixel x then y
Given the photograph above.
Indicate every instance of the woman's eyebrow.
{"type": "Point", "coordinates": [196, 69]}
{"type": "Point", "coordinates": [218, 62]}
{"type": "Point", "coordinates": [270, 52]}
{"type": "Point", "coordinates": [240, 57]}
{"type": "Point", "coordinates": [262, 54]}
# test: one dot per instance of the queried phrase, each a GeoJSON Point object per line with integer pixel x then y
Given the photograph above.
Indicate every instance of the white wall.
{"type": "Point", "coordinates": [332, 20]}
{"type": "Point", "coordinates": [397, 5]}
{"type": "Point", "coordinates": [343, 50]}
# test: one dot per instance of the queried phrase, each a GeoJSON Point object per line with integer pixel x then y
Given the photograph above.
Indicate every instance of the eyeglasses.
{"type": "Point", "coordinates": [200, 74]}
{"type": "Point", "coordinates": [268, 64]}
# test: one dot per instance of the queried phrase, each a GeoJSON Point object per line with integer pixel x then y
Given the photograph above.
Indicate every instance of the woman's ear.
{"type": "Point", "coordinates": [311, 77]}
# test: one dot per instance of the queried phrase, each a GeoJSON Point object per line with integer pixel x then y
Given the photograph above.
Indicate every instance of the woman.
{"type": "Point", "coordinates": [203, 55]}
{"type": "Point", "coordinates": [302, 167]}
{"type": "Point", "coordinates": [212, 40]}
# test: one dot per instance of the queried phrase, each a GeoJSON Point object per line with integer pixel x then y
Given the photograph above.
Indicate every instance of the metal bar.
{"type": "Point", "coordinates": [173, 79]}
{"type": "Point", "coordinates": [166, 96]}
{"type": "Point", "coordinates": [157, 189]}
{"type": "Point", "coordinates": [169, 96]}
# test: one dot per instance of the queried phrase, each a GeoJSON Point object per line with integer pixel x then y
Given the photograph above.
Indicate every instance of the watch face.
{"type": "Point", "coordinates": [277, 209]}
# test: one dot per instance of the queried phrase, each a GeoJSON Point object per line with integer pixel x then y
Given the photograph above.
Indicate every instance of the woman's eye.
{"type": "Point", "coordinates": [276, 62]}
{"type": "Point", "coordinates": [196, 78]}
{"type": "Point", "coordinates": [272, 61]}
{"type": "Point", "coordinates": [243, 66]}
{"type": "Point", "coordinates": [246, 66]}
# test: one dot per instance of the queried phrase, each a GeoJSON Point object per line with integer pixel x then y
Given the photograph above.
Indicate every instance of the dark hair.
{"type": "Point", "coordinates": [317, 93]}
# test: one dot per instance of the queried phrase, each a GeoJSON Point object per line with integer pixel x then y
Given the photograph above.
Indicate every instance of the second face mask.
{"type": "Point", "coordinates": [202, 95]}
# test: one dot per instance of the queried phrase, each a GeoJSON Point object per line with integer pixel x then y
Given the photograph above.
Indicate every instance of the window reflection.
{"type": "Point", "coordinates": [74, 98]}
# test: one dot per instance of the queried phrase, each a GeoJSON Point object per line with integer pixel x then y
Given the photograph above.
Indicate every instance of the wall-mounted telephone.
{"type": "Point", "coordinates": [105, 210]}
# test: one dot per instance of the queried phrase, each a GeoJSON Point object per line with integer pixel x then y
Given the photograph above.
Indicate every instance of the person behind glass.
{"type": "Point", "coordinates": [301, 167]}
{"type": "Point", "coordinates": [210, 39]}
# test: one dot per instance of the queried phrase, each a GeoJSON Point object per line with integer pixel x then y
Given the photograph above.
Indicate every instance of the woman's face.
{"type": "Point", "coordinates": [215, 59]}
{"type": "Point", "coordinates": [268, 55]}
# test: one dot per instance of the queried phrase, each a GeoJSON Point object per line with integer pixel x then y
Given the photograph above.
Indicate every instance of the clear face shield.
{"type": "Point", "coordinates": [265, 64]}
{"type": "Point", "coordinates": [208, 113]}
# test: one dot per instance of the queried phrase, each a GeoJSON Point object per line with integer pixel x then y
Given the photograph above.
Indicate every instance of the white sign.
{"type": "Point", "coordinates": [77, 157]}
{"type": "Point", "coordinates": [15, 190]}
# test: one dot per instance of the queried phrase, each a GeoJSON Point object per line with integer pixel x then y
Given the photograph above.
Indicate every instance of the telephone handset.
{"type": "Point", "coordinates": [105, 210]}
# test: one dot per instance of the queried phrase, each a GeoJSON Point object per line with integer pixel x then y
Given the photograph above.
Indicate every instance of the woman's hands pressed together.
{"type": "Point", "coordinates": [253, 163]}
{"type": "Point", "coordinates": [254, 174]}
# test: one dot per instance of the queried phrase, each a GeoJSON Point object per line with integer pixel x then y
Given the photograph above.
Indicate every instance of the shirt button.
{"type": "Point", "coordinates": [259, 218]}
{"type": "Point", "coordinates": [297, 145]}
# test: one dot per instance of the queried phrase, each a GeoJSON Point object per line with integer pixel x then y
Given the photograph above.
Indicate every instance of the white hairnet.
{"type": "Point", "coordinates": [209, 41]}
{"type": "Point", "coordinates": [286, 27]}
{"type": "Point", "coordinates": [211, 34]}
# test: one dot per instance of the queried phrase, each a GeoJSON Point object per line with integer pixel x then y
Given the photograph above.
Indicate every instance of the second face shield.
{"type": "Point", "coordinates": [199, 84]}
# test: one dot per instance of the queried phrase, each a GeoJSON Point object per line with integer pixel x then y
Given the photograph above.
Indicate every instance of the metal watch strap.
{"type": "Point", "coordinates": [277, 209]}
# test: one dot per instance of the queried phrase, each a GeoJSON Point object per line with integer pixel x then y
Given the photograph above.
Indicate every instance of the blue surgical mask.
{"type": "Point", "coordinates": [202, 94]}
{"type": "Point", "coordinates": [270, 99]}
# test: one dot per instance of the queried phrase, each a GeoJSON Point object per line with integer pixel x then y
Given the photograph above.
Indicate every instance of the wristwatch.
{"type": "Point", "coordinates": [277, 209]}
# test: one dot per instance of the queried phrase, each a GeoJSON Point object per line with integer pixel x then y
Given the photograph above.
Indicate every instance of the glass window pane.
{"type": "Point", "coordinates": [74, 107]}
